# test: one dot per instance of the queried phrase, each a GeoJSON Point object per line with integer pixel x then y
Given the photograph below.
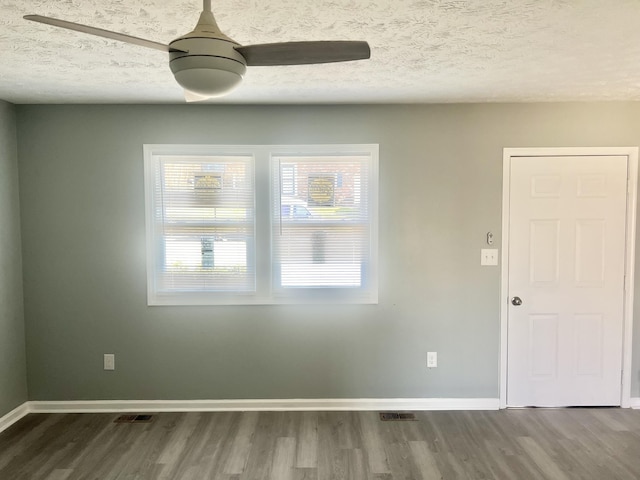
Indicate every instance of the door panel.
{"type": "Point", "coordinates": [543, 345]}
{"type": "Point", "coordinates": [589, 351]}
{"type": "Point", "coordinates": [544, 252]}
{"type": "Point", "coordinates": [590, 254]}
{"type": "Point", "coordinates": [566, 262]}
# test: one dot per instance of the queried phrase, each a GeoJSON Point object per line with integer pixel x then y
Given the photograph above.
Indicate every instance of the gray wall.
{"type": "Point", "coordinates": [81, 173]}
{"type": "Point", "coordinates": [13, 365]}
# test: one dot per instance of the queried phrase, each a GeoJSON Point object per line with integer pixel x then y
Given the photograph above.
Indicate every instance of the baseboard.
{"type": "Point", "coordinates": [13, 416]}
{"type": "Point", "coordinates": [634, 402]}
{"type": "Point", "coordinates": [105, 406]}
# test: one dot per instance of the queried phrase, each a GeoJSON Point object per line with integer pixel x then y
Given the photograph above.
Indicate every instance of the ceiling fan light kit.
{"type": "Point", "coordinates": [209, 82]}
{"type": "Point", "coordinates": [207, 63]}
{"type": "Point", "coordinates": [205, 60]}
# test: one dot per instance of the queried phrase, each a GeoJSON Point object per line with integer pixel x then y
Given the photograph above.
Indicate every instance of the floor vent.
{"type": "Point", "coordinates": [395, 416]}
{"type": "Point", "coordinates": [134, 419]}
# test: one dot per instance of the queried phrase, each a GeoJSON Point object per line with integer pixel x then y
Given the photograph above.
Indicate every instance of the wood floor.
{"type": "Point", "coordinates": [599, 444]}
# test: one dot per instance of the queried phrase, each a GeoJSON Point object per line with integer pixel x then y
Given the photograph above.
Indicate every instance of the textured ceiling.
{"type": "Point", "coordinates": [423, 51]}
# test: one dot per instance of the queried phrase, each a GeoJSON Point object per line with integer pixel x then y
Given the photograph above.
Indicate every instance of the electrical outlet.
{"type": "Point", "coordinates": [432, 359]}
{"type": "Point", "coordinates": [109, 361]}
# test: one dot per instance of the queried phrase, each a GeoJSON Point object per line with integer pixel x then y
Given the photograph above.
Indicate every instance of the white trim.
{"type": "Point", "coordinates": [504, 274]}
{"type": "Point", "coordinates": [634, 402]}
{"type": "Point", "coordinates": [347, 404]}
{"type": "Point", "coordinates": [13, 416]}
{"type": "Point", "coordinates": [632, 189]}
{"type": "Point", "coordinates": [630, 261]}
{"type": "Point", "coordinates": [263, 405]}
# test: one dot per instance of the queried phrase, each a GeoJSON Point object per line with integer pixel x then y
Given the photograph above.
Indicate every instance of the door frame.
{"type": "Point", "coordinates": [632, 186]}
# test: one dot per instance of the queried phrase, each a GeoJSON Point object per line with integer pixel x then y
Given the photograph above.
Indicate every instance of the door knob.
{"type": "Point", "coordinates": [517, 301]}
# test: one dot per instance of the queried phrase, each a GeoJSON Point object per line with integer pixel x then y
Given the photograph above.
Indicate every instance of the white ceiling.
{"type": "Point", "coordinates": [423, 51]}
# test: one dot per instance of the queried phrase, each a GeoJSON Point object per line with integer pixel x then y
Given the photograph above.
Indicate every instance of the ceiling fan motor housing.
{"type": "Point", "coordinates": [205, 62]}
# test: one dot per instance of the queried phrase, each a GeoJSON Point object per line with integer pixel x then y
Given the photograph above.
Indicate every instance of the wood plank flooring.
{"type": "Point", "coordinates": [556, 444]}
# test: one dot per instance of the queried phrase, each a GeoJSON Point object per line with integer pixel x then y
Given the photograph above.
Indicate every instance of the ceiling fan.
{"type": "Point", "coordinates": [207, 63]}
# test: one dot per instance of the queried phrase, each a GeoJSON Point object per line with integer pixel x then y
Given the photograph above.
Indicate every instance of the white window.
{"type": "Point", "coordinates": [261, 224]}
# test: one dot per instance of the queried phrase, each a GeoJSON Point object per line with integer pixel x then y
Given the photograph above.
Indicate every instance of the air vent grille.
{"type": "Point", "coordinates": [134, 419]}
{"type": "Point", "coordinates": [397, 416]}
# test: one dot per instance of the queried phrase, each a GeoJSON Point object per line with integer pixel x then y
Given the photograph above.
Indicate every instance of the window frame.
{"type": "Point", "coordinates": [266, 292]}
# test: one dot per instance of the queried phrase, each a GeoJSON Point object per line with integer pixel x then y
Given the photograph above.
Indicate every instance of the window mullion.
{"type": "Point", "coordinates": [263, 223]}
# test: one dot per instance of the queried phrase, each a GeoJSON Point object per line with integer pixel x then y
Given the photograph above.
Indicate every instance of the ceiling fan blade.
{"type": "Point", "coordinates": [190, 97]}
{"type": "Point", "coordinates": [304, 53]}
{"type": "Point", "coordinates": [99, 32]}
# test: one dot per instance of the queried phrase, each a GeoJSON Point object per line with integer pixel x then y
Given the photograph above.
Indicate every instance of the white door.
{"type": "Point", "coordinates": [567, 220]}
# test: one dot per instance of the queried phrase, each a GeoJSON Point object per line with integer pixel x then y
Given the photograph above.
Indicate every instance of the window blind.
{"type": "Point", "coordinates": [204, 220]}
{"type": "Point", "coordinates": [321, 234]}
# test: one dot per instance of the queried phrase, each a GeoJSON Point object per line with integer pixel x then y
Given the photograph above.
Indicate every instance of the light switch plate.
{"type": "Point", "coordinates": [489, 256]}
